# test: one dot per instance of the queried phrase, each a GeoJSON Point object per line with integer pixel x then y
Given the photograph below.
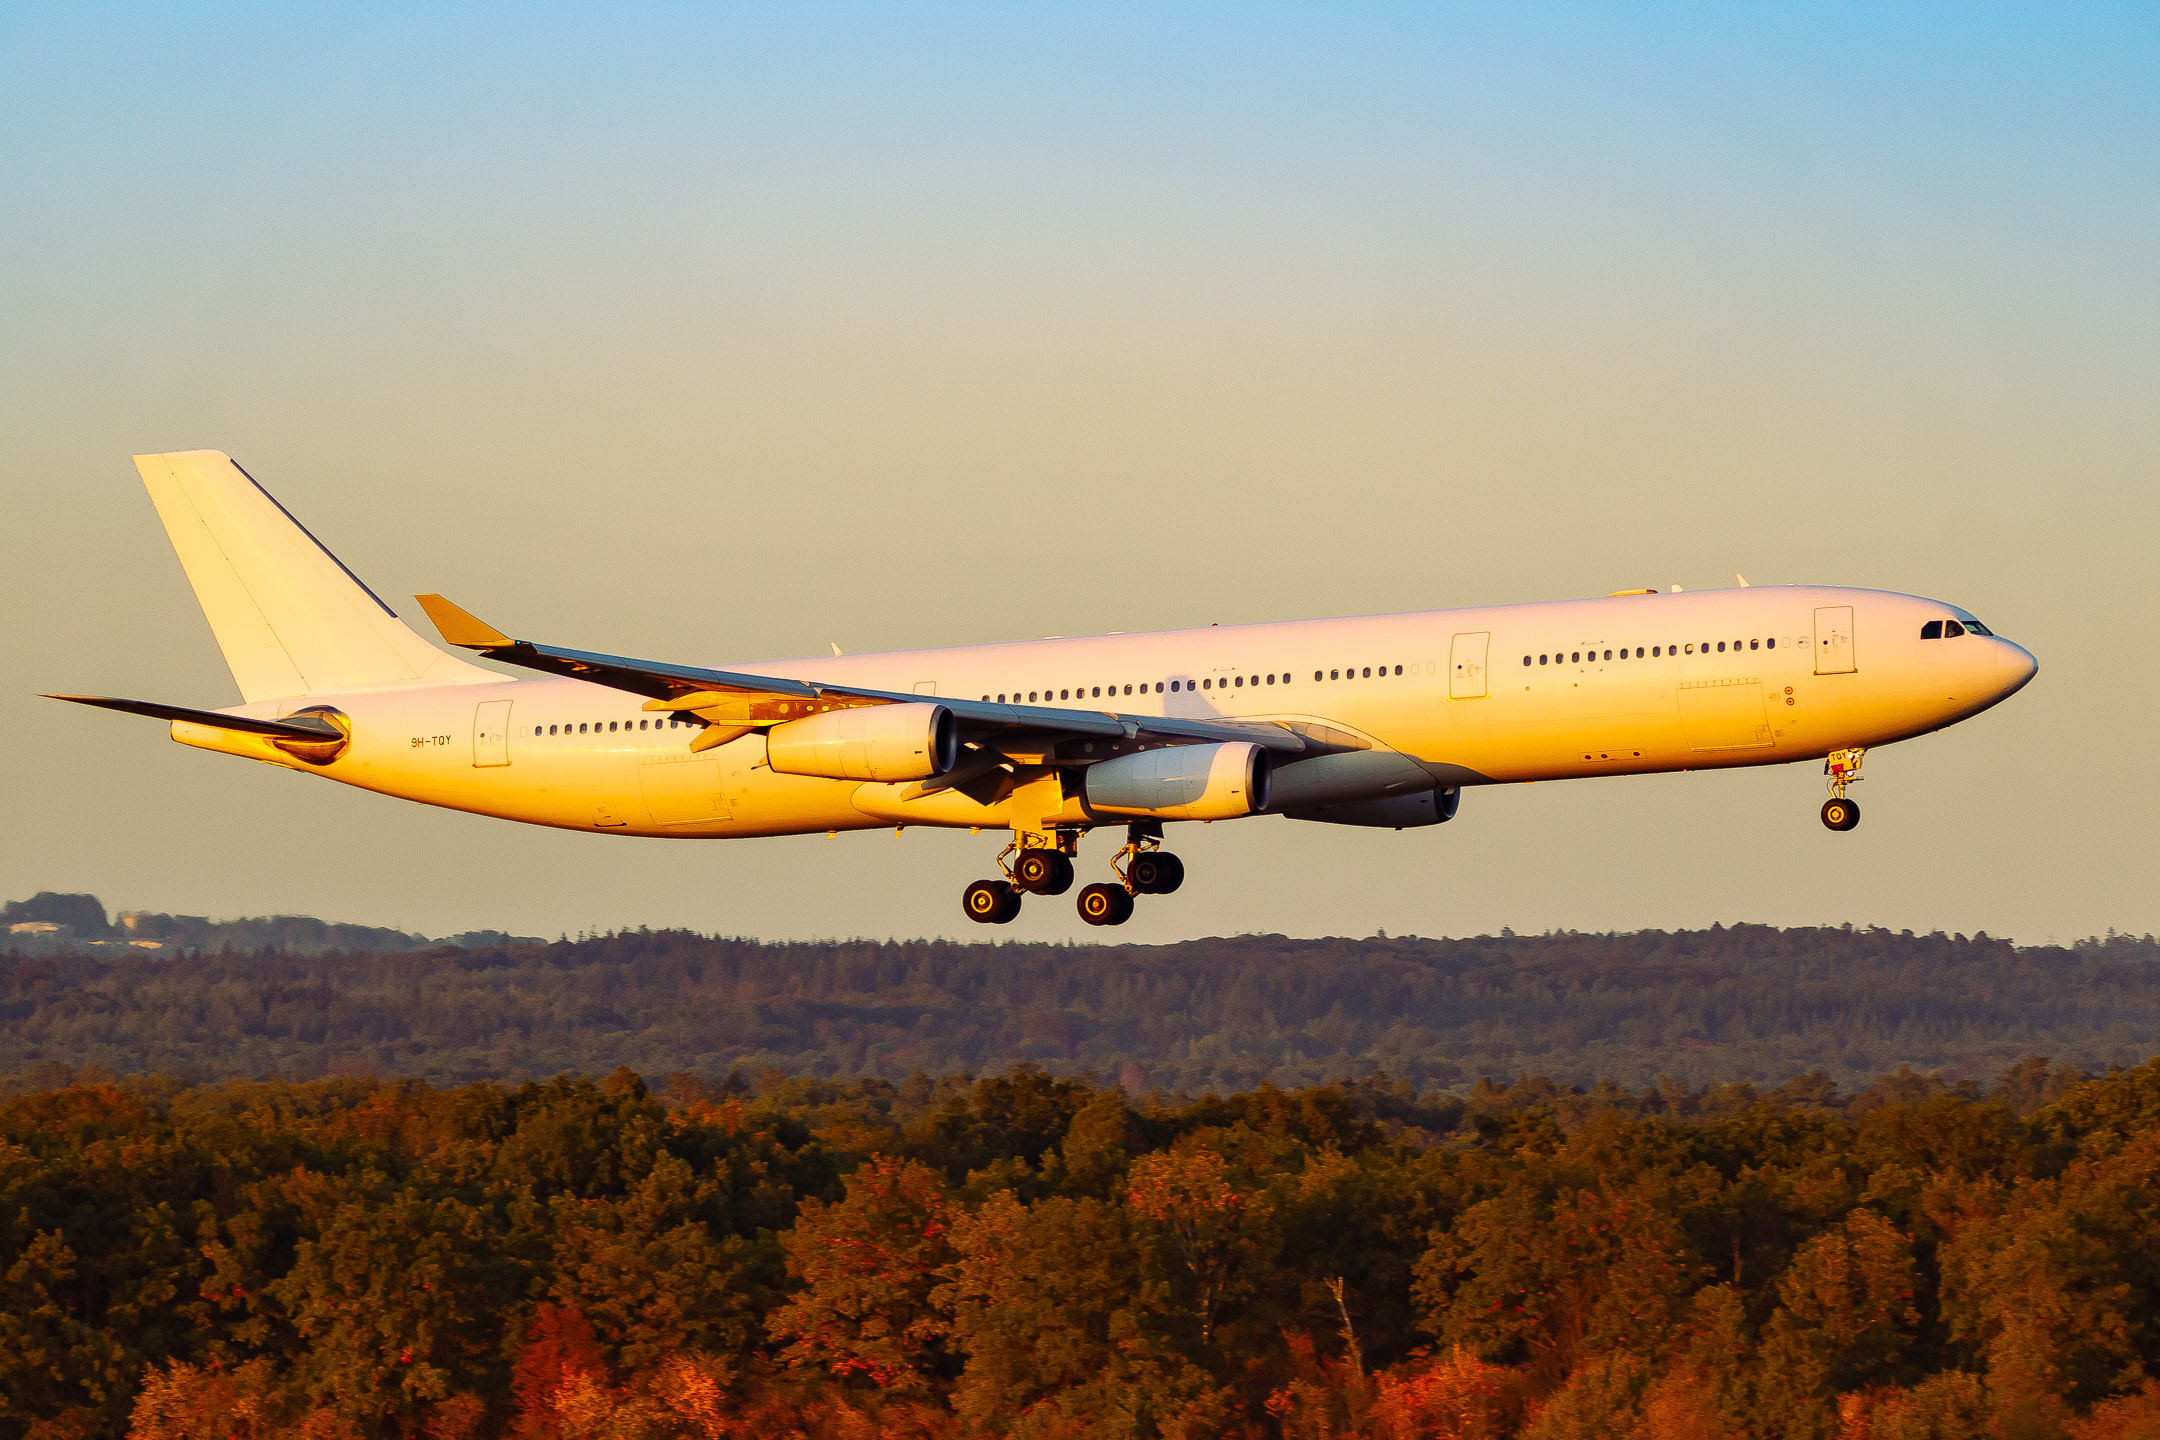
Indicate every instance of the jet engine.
{"type": "Point", "coordinates": [1183, 782]}
{"type": "Point", "coordinates": [909, 741]}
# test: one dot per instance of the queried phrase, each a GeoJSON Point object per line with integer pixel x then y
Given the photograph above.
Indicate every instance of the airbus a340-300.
{"type": "Point", "coordinates": [1380, 720]}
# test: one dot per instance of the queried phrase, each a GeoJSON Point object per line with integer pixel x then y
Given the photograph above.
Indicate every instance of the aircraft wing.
{"type": "Point", "coordinates": [732, 702]}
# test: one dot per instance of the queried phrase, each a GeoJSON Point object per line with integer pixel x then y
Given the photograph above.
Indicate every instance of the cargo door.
{"type": "Point", "coordinates": [1724, 715]}
{"type": "Point", "coordinates": [1466, 667]}
{"type": "Point", "coordinates": [1834, 641]}
{"type": "Point", "coordinates": [491, 733]}
{"type": "Point", "coordinates": [683, 790]}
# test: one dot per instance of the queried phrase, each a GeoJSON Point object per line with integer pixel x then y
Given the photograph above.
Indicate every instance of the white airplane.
{"type": "Point", "coordinates": [1377, 720]}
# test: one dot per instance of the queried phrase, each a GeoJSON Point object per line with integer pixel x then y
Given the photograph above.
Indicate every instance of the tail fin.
{"type": "Point", "coordinates": [291, 619]}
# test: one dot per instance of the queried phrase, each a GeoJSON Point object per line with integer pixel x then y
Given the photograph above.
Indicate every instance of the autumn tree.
{"type": "Point", "coordinates": [867, 1265]}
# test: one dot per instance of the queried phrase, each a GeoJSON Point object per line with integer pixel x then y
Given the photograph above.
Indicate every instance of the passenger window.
{"type": "Point", "coordinates": [1526, 660]}
{"type": "Point", "coordinates": [1932, 630]}
{"type": "Point", "coordinates": [1720, 647]}
{"type": "Point", "coordinates": [1332, 675]}
{"type": "Point", "coordinates": [1691, 649]}
{"type": "Point", "coordinates": [1608, 654]}
{"type": "Point", "coordinates": [1654, 651]}
{"type": "Point", "coordinates": [1576, 657]}
{"type": "Point", "coordinates": [1368, 672]}
{"type": "Point", "coordinates": [1771, 643]}
{"type": "Point", "coordinates": [1240, 682]}
{"type": "Point", "coordinates": [1951, 630]}
{"type": "Point", "coordinates": [1398, 669]}
{"type": "Point", "coordinates": [1271, 679]}
{"type": "Point", "coordinates": [1540, 659]}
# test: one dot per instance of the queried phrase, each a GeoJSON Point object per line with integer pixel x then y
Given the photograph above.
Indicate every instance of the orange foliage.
{"type": "Point", "coordinates": [1454, 1397]}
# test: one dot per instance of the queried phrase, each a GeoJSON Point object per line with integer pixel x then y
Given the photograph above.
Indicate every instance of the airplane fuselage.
{"type": "Point", "coordinates": [1626, 684]}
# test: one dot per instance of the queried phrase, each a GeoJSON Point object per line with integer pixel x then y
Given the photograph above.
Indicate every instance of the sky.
{"type": "Point", "coordinates": [714, 334]}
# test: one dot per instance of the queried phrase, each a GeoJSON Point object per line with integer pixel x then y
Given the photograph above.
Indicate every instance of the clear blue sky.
{"type": "Point", "coordinates": [724, 334]}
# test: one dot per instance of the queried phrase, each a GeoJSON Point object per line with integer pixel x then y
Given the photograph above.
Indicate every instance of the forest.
{"type": "Point", "coordinates": [1037, 1256]}
{"type": "Point", "coordinates": [1746, 1003]}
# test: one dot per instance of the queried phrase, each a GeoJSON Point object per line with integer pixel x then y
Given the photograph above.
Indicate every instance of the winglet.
{"type": "Point", "coordinates": [461, 628]}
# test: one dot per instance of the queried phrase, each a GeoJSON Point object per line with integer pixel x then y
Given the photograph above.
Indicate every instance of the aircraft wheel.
{"type": "Point", "coordinates": [991, 902]}
{"type": "Point", "coordinates": [1045, 872]}
{"type": "Point", "coordinates": [1840, 815]}
{"type": "Point", "coordinates": [1105, 905]}
{"type": "Point", "coordinates": [1156, 872]}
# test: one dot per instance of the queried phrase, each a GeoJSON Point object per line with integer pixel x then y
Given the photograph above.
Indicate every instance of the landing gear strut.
{"type": "Point", "coordinates": [1035, 863]}
{"type": "Point", "coordinates": [1843, 768]}
{"type": "Point", "coordinates": [1143, 868]}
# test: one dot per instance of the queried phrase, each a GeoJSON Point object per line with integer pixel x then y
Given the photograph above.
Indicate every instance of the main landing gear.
{"type": "Point", "coordinates": [1843, 768]}
{"type": "Point", "coordinates": [1042, 864]}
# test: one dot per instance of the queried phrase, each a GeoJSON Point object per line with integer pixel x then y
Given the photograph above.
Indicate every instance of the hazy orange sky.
{"type": "Point", "coordinates": [719, 336]}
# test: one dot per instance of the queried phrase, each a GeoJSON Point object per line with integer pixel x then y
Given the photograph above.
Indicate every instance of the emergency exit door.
{"type": "Point", "coordinates": [1466, 666]}
{"type": "Point", "coordinates": [1834, 641]}
{"type": "Point", "coordinates": [491, 733]}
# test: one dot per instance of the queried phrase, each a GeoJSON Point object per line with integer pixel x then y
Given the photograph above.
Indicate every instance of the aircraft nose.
{"type": "Point", "coordinates": [2014, 664]}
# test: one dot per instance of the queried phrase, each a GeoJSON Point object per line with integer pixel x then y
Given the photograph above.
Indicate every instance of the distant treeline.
{"type": "Point", "coordinates": [1746, 1004]}
{"type": "Point", "coordinates": [50, 923]}
{"type": "Point", "coordinates": [1033, 1257]}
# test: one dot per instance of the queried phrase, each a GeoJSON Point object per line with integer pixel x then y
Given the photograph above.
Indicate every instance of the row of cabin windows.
{"type": "Point", "coordinates": [672, 722]}
{"type": "Point", "coordinates": [1951, 629]}
{"type": "Point", "coordinates": [1082, 692]}
{"type": "Point", "coordinates": [1351, 672]}
{"type": "Point", "coordinates": [1577, 657]}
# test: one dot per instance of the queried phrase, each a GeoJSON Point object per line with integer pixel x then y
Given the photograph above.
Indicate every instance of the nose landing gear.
{"type": "Point", "coordinates": [1843, 768]}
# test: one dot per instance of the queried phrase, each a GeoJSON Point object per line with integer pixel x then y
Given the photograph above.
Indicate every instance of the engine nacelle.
{"type": "Point", "coordinates": [1396, 812]}
{"type": "Point", "coordinates": [1184, 782]}
{"type": "Point", "coordinates": [910, 741]}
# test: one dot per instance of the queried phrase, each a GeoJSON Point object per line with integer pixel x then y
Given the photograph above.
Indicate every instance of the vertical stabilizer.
{"type": "Point", "coordinates": [291, 619]}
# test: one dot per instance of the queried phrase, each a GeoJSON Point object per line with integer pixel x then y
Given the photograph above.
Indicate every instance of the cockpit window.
{"type": "Point", "coordinates": [1932, 630]}
{"type": "Point", "coordinates": [1951, 630]}
{"type": "Point", "coordinates": [1974, 627]}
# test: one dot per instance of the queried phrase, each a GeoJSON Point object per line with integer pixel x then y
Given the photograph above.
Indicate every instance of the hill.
{"type": "Point", "coordinates": [1746, 1004]}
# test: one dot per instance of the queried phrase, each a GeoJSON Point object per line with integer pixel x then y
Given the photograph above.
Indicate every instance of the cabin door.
{"type": "Point", "coordinates": [1834, 641]}
{"type": "Point", "coordinates": [1466, 667]}
{"type": "Point", "coordinates": [491, 733]}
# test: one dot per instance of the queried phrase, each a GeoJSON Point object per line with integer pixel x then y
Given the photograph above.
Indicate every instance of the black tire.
{"type": "Point", "coordinates": [1156, 872]}
{"type": "Point", "coordinates": [1105, 905]}
{"type": "Point", "coordinates": [1840, 815]}
{"type": "Point", "coordinates": [1043, 872]}
{"type": "Point", "coordinates": [990, 902]}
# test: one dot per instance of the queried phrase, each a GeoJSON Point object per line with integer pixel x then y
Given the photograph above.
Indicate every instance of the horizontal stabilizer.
{"type": "Point", "coordinates": [297, 727]}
